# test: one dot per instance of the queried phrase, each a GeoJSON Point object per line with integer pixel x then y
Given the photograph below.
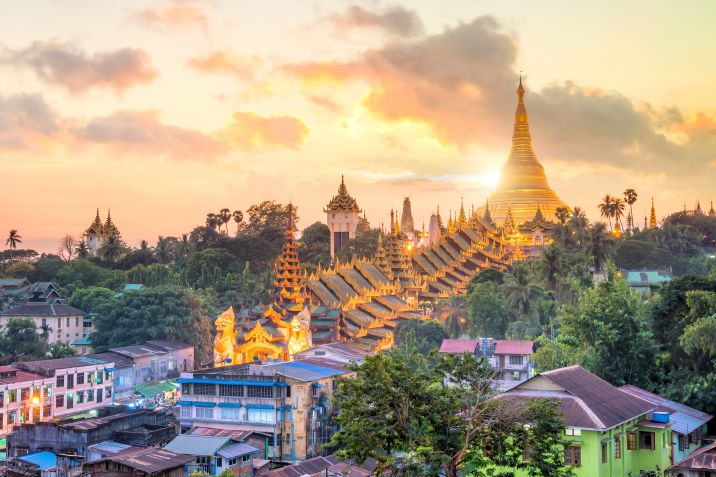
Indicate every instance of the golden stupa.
{"type": "Point", "coordinates": [523, 187]}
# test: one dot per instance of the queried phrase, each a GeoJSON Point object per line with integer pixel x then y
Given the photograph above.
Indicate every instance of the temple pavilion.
{"type": "Point", "coordinates": [98, 232]}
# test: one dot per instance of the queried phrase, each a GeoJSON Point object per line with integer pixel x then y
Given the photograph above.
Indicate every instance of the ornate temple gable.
{"type": "Point", "coordinates": [343, 201]}
{"type": "Point", "coordinates": [96, 227]}
{"type": "Point", "coordinates": [523, 184]}
{"type": "Point", "coordinates": [109, 229]}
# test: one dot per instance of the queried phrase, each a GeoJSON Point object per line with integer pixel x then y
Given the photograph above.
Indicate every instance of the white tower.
{"type": "Point", "coordinates": [342, 217]}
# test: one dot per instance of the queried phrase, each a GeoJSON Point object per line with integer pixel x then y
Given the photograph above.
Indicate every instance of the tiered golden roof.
{"type": "Point", "coordinates": [343, 201]}
{"type": "Point", "coordinates": [96, 227]}
{"type": "Point", "coordinates": [290, 285]}
{"type": "Point", "coordinates": [523, 184]}
{"type": "Point", "coordinates": [652, 215]}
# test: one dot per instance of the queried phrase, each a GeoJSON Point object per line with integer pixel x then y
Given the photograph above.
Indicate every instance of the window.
{"type": "Point", "coordinates": [77, 321]}
{"type": "Point", "coordinates": [2, 420]}
{"type": "Point", "coordinates": [48, 390]}
{"type": "Point", "coordinates": [99, 395]}
{"type": "Point", "coordinates": [618, 448]}
{"type": "Point", "coordinates": [60, 382]}
{"type": "Point", "coordinates": [2, 399]}
{"type": "Point", "coordinates": [107, 392]}
{"type": "Point", "coordinates": [203, 389]}
{"type": "Point", "coordinates": [246, 458]}
{"type": "Point", "coordinates": [186, 388]}
{"type": "Point", "coordinates": [259, 391]}
{"type": "Point", "coordinates": [108, 375]}
{"type": "Point", "coordinates": [80, 378]}
{"type": "Point", "coordinates": [186, 412]}
{"type": "Point", "coordinates": [70, 401]}
{"type": "Point", "coordinates": [68, 321]}
{"type": "Point", "coordinates": [515, 375]}
{"type": "Point", "coordinates": [47, 411]}
{"type": "Point", "coordinates": [231, 390]}
{"type": "Point", "coordinates": [60, 400]}
{"type": "Point", "coordinates": [232, 461]}
{"type": "Point", "coordinates": [260, 415]}
{"type": "Point", "coordinates": [80, 397]}
{"type": "Point", "coordinates": [205, 412]}
{"type": "Point", "coordinates": [90, 395]}
{"type": "Point", "coordinates": [631, 441]}
{"type": "Point", "coordinates": [90, 377]}
{"type": "Point", "coordinates": [219, 462]}
{"type": "Point", "coordinates": [202, 459]}
{"type": "Point", "coordinates": [24, 394]}
{"type": "Point", "coordinates": [230, 413]}
{"type": "Point", "coordinates": [683, 443]}
{"type": "Point", "coordinates": [570, 431]}
{"type": "Point", "coordinates": [515, 359]}
{"type": "Point", "coordinates": [12, 396]}
{"type": "Point", "coordinates": [573, 455]}
{"type": "Point", "coordinates": [646, 440]}
{"type": "Point", "coordinates": [605, 453]}
{"type": "Point", "coordinates": [70, 381]}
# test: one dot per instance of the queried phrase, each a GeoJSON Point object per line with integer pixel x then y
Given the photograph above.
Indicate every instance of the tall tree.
{"type": "Point", "coordinates": [489, 313]}
{"type": "Point", "coordinates": [19, 338]}
{"type": "Point", "coordinates": [224, 218]}
{"type": "Point", "coordinates": [562, 214]}
{"type": "Point", "coordinates": [238, 217]}
{"type": "Point", "coordinates": [551, 263]}
{"type": "Point", "coordinates": [630, 197]}
{"type": "Point", "coordinates": [81, 249]}
{"type": "Point", "coordinates": [68, 248]}
{"type": "Point", "coordinates": [600, 245]}
{"type": "Point", "coordinates": [13, 239]}
{"type": "Point", "coordinates": [606, 210]}
{"type": "Point", "coordinates": [454, 313]}
{"type": "Point", "coordinates": [618, 211]}
{"type": "Point", "coordinates": [112, 249]}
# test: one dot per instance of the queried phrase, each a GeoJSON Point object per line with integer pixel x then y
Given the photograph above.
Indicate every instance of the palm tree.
{"type": "Point", "coordinates": [578, 224]}
{"type": "Point", "coordinates": [144, 245]}
{"type": "Point", "coordinates": [212, 221]}
{"type": "Point", "coordinates": [455, 312]}
{"type": "Point", "coordinates": [111, 249]}
{"type": "Point", "coordinates": [184, 247]}
{"type": "Point", "coordinates": [45, 331]}
{"type": "Point", "coordinates": [551, 261]}
{"type": "Point", "coordinates": [163, 251]}
{"type": "Point", "coordinates": [618, 210]}
{"type": "Point", "coordinates": [630, 196]}
{"type": "Point", "coordinates": [606, 209]}
{"type": "Point", "coordinates": [12, 240]}
{"type": "Point", "coordinates": [562, 213]}
{"type": "Point", "coordinates": [238, 218]}
{"type": "Point", "coordinates": [81, 249]}
{"type": "Point", "coordinates": [224, 218]}
{"type": "Point", "coordinates": [600, 245]}
{"type": "Point", "coordinates": [522, 290]}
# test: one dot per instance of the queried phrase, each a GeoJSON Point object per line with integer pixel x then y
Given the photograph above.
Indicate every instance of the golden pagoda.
{"type": "Point", "coordinates": [523, 185]}
{"type": "Point", "coordinates": [652, 215]}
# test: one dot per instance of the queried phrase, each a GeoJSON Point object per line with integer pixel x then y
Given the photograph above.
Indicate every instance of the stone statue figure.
{"type": "Point", "coordinates": [225, 339]}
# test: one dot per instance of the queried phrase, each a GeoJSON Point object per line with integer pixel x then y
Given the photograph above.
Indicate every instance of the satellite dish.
{"type": "Point", "coordinates": [256, 358]}
{"type": "Point", "coordinates": [228, 360]}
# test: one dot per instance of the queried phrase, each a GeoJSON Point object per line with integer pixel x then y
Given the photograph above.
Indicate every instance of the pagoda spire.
{"type": "Point", "coordinates": [461, 218]}
{"type": "Point", "coordinates": [441, 227]}
{"type": "Point", "coordinates": [652, 216]}
{"type": "Point", "coordinates": [380, 259]}
{"type": "Point", "coordinates": [487, 217]}
{"type": "Point", "coordinates": [509, 223]}
{"type": "Point", "coordinates": [290, 286]}
{"type": "Point", "coordinates": [712, 212]}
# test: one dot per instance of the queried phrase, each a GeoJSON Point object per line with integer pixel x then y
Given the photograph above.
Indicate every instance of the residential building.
{"type": "Point", "coordinates": [24, 397]}
{"type": "Point", "coordinates": [81, 383]}
{"type": "Point", "coordinates": [512, 358]}
{"type": "Point", "coordinates": [257, 439]}
{"type": "Point", "coordinates": [143, 428]}
{"type": "Point", "coordinates": [609, 432]}
{"type": "Point", "coordinates": [123, 375]}
{"type": "Point", "coordinates": [149, 462]}
{"type": "Point", "coordinates": [289, 401]}
{"type": "Point", "coordinates": [214, 454]}
{"type": "Point", "coordinates": [701, 463]}
{"type": "Point", "coordinates": [43, 464]}
{"type": "Point", "coordinates": [341, 351]}
{"type": "Point", "coordinates": [13, 291]}
{"type": "Point", "coordinates": [644, 281]}
{"type": "Point", "coordinates": [327, 466]}
{"type": "Point", "coordinates": [688, 425]}
{"type": "Point", "coordinates": [52, 316]}
{"type": "Point", "coordinates": [157, 360]}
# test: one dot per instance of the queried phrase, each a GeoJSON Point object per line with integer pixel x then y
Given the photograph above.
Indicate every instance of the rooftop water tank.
{"type": "Point", "coordinates": [660, 417]}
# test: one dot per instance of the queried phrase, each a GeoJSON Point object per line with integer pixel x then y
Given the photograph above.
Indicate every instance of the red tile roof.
{"type": "Point", "coordinates": [19, 375]}
{"type": "Point", "coordinates": [514, 347]}
{"type": "Point", "coordinates": [459, 346]}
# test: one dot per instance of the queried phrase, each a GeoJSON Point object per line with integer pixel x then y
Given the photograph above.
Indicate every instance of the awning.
{"type": "Point", "coordinates": [259, 406]}
{"type": "Point", "coordinates": [204, 404]}
{"type": "Point", "coordinates": [184, 403]}
{"type": "Point", "coordinates": [229, 404]}
{"type": "Point", "coordinates": [152, 390]}
{"type": "Point", "coordinates": [230, 381]}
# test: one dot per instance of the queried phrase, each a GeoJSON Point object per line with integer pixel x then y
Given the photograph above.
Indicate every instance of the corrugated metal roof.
{"type": "Point", "coordinates": [305, 371]}
{"type": "Point", "coordinates": [683, 419]}
{"type": "Point", "coordinates": [514, 347]}
{"type": "Point", "coordinates": [44, 459]}
{"type": "Point", "coordinates": [702, 459]}
{"type": "Point", "coordinates": [236, 450]}
{"type": "Point", "coordinates": [197, 445]}
{"type": "Point", "coordinates": [459, 346]}
{"type": "Point", "coordinates": [111, 447]}
{"type": "Point", "coordinates": [149, 460]}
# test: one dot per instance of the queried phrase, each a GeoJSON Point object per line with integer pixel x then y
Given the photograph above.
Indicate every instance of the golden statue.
{"type": "Point", "coordinates": [225, 339]}
{"type": "Point", "coordinates": [300, 333]}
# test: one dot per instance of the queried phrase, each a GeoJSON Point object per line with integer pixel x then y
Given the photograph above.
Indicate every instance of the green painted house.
{"type": "Point", "coordinates": [610, 433]}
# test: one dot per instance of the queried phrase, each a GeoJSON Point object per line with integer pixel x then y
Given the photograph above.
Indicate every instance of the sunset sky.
{"type": "Point", "coordinates": [166, 110]}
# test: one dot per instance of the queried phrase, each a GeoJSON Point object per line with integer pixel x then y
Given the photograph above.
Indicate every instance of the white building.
{"type": "Point", "coordinates": [342, 217]}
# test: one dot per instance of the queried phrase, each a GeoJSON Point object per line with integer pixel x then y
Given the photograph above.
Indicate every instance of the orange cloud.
{"type": "Point", "coordinates": [71, 68]}
{"type": "Point", "coordinates": [250, 131]}
{"type": "Point", "coordinates": [318, 73]}
{"type": "Point", "coordinates": [178, 14]}
{"type": "Point", "coordinates": [226, 62]}
{"type": "Point", "coordinates": [142, 133]}
{"type": "Point", "coordinates": [395, 20]}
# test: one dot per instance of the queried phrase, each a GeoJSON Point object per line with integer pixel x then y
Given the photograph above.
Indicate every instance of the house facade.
{"type": "Point", "coordinates": [24, 397]}
{"type": "Point", "coordinates": [512, 358]}
{"type": "Point", "coordinates": [289, 401]}
{"type": "Point", "coordinates": [52, 316]}
{"type": "Point", "coordinates": [215, 455]}
{"type": "Point", "coordinates": [79, 384]}
{"type": "Point", "coordinates": [609, 432]}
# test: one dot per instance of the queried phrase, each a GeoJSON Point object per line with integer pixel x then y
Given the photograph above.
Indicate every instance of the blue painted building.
{"type": "Point", "coordinates": [288, 401]}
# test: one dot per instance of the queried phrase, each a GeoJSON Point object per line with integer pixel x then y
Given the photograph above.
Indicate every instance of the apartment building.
{"type": "Point", "coordinates": [290, 401]}
{"type": "Point", "coordinates": [24, 397]}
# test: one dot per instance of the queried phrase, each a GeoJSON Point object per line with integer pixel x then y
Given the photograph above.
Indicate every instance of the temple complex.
{"type": "Point", "coordinates": [523, 189]}
{"type": "Point", "coordinates": [98, 233]}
